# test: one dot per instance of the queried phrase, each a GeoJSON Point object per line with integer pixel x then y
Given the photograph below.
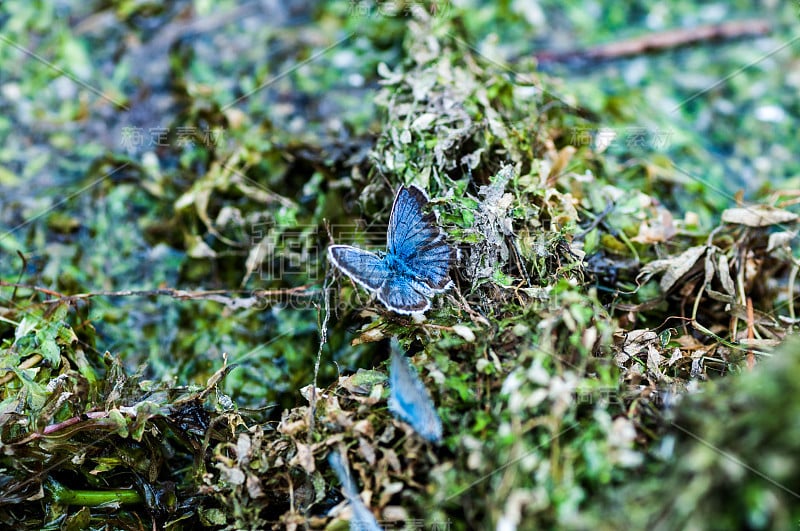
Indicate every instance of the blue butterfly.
{"type": "Point", "coordinates": [362, 519]}
{"type": "Point", "coordinates": [409, 400]}
{"type": "Point", "coordinates": [416, 262]}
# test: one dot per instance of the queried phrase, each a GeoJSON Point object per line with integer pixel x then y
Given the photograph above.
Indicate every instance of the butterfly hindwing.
{"type": "Point", "coordinates": [405, 295]}
{"type": "Point", "coordinates": [410, 401]}
{"type": "Point", "coordinates": [365, 268]}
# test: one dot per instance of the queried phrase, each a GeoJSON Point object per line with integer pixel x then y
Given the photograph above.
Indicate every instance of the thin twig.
{"type": "Point", "coordinates": [323, 339]}
{"type": "Point", "coordinates": [659, 42]}
{"type": "Point", "coordinates": [219, 295]}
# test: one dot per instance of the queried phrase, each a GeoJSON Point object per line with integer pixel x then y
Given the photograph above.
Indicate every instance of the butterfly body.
{"type": "Point", "coordinates": [416, 263]}
{"type": "Point", "coordinates": [396, 266]}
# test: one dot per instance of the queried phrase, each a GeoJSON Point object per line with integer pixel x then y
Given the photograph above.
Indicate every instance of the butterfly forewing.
{"type": "Point", "coordinates": [431, 264]}
{"type": "Point", "coordinates": [365, 268]}
{"type": "Point", "coordinates": [409, 227]}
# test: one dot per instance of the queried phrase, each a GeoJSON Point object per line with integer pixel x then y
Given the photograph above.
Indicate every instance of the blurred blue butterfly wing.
{"type": "Point", "coordinates": [410, 401]}
{"type": "Point", "coordinates": [362, 519]}
{"type": "Point", "coordinates": [365, 268]}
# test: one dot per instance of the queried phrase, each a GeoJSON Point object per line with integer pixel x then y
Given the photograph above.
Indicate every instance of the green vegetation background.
{"type": "Point", "coordinates": [211, 150]}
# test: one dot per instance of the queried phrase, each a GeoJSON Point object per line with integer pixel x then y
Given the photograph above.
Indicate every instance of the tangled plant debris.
{"type": "Point", "coordinates": [565, 364]}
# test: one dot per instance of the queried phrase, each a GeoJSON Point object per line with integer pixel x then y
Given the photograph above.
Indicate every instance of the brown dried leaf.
{"type": "Point", "coordinates": [364, 427]}
{"type": "Point", "coordinates": [758, 216]}
{"type": "Point", "coordinates": [657, 230]}
{"type": "Point", "coordinates": [760, 318]}
{"type": "Point", "coordinates": [781, 240]}
{"type": "Point", "coordinates": [674, 268]}
{"type": "Point", "coordinates": [725, 276]}
{"type": "Point", "coordinates": [620, 358]}
{"type": "Point", "coordinates": [254, 489]}
{"type": "Point", "coordinates": [677, 354]}
{"type": "Point", "coordinates": [304, 458]}
{"type": "Point", "coordinates": [292, 428]}
{"type": "Point", "coordinates": [390, 457]}
{"type": "Point", "coordinates": [709, 267]}
{"type": "Point", "coordinates": [368, 336]}
{"type": "Point", "coordinates": [367, 450]}
{"type": "Point", "coordinates": [654, 359]}
{"type": "Point", "coordinates": [232, 475]}
{"type": "Point", "coordinates": [638, 340]}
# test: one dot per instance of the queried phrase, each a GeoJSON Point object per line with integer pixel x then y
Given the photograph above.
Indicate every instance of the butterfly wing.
{"type": "Point", "coordinates": [414, 238]}
{"type": "Point", "coordinates": [431, 264]}
{"type": "Point", "coordinates": [363, 267]}
{"type": "Point", "coordinates": [405, 295]}
{"type": "Point", "coordinates": [363, 518]}
{"type": "Point", "coordinates": [409, 227]}
{"type": "Point", "coordinates": [410, 401]}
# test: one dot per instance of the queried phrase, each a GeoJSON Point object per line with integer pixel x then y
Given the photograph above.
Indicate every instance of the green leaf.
{"type": "Point", "coordinates": [144, 412]}
{"type": "Point", "coordinates": [25, 327]}
{"type": "Point", "coordinates": [49, 349]}
{"type": "Point", "coordinates": [120, 422]}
